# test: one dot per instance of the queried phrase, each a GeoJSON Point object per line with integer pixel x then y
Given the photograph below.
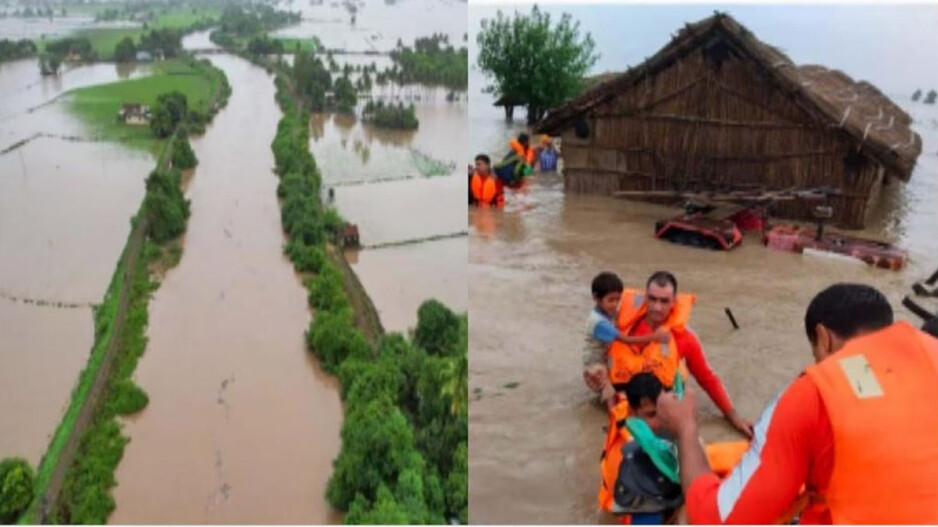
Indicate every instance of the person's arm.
{"type": "Point", "coordinates": [767, 481]}
{"type": "Point", "coordinates": [697, 364]}
{"type": "Point", "coordinates": [661, 335]}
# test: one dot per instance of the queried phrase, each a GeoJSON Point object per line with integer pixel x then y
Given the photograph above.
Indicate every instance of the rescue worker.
{"type": "Point", "coordinates": [522, 147]}
{"type": "Point", "coordinates": [857, 430]}
{"type": "Point", "coordinates": [547, 155]}
{"type": "Point", "coordinates": [643, 313]}
{"type": "Point", "coordinates": [486, 189]}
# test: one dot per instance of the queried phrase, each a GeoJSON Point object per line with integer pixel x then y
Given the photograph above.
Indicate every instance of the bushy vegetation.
{"type": "Point", "coordinates": [346, 97]}
{"type": "Point", "coordinates": [312, 80]}
{"type": "Point", "coordinates": [398, 117]}
{"type": "Point", "coordinates": [431, 61]}
{"type": "Point", "coordinates": [171, 109]}
{"type": "Point", "coordinates": [183, 158]}
{"type": "Point", "coordinates": [17, 484]}
{"type": "Point", "coordinates": [72, 47]}
{"type": "Point", "coordinates": [164, 207]}
{"type": "Point", "coordinates": [255, 19]}
{"type": "Point", "coordinates": [16, 49]}
{"type": "Point", "coordinates": [125, 50]}
{"type": "Point", "coordinates": [263, 45]}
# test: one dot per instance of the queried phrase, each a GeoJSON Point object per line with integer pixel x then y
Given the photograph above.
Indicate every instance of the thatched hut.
{"type": "Point", "coordinates": [717, 109]}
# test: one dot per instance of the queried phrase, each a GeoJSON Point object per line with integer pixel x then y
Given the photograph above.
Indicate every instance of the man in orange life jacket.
{"type": "Point", "coordinates": [486, 189]}
{"type": "Point", "coordinates": [857, 430]}
{"type": "Point", "coordinates": [644, 313]}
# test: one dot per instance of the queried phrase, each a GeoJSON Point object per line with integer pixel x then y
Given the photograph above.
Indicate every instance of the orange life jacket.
{"type": "Point", "coordinates": [526, 153]}
{"type": "Point", "coordinates": [882, 385]}
{"type": "Point", "coordinates": [485, 191]}
{"type": "Point", "coordinates": [664, 361]}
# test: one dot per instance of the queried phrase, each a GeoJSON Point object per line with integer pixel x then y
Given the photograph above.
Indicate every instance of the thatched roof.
{"type": "Point", "coordinates": [879, 126]}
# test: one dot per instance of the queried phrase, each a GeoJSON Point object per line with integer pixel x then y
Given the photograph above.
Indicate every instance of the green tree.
{"type": "Point", "coordinates": [437, 330]}
{"type": "Point", "coordinates": [170, 109]}
{"type": "Point", "coordinates": [345, 96]}
{"type": "Point", "coordinates": [183, 156]}
{"type": "Point", "coordinates": [533, 61]}
{"type": "Point", "coordinates": [125, 50]}
{"type": "Point", "coordinates": [17, 485]}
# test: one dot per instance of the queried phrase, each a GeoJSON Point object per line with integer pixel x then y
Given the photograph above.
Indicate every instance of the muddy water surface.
{"type": "Point", "coordinates": [379, 176]}
{"type": "Point", "coordinates": [65, 209]}
{"type": "Point", "coordinates": [534, 449]}
{"type": "Point", "coordinates": [242, 426]}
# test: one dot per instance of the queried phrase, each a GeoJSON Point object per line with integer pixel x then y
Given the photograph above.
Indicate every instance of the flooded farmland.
{"type": "Point", "coordinates": [380, 177]}
{"type": "Point", "coordinates": [65, 208]}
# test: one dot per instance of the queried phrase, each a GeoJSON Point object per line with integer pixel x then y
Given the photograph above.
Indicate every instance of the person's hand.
{"type": "Point", "coordinates": [663, 335]}
{"type": "Point", "coordinates": [678, 416]}
{"type": "Point", "coordinates": [594, 380]}
{"type": "Point", "coordinates": [744, 426]}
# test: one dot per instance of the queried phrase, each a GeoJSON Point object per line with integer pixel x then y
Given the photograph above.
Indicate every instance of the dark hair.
{"type": "Point", "coordinates": [523, 138]}
{"type": "Point", "coordinates": [642, 385]}
{"type": "Point", "coordinates": [483, 157]}
{"type": "Point", "coordinates": [605, 283]}
{"type": "Point", "coordinates": [846, 309]}
{"type": "Point", "coordinates": [662, 278]}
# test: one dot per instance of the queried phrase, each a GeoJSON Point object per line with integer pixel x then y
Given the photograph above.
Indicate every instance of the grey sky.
{"type": "Point", "coordinates": [894, 47]}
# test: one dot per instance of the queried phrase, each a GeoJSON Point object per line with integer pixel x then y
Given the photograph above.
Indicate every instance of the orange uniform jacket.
{"type": "Point", "coordinates": [488, 191]}
{"type": "Point", "coordinates": [857, 430]}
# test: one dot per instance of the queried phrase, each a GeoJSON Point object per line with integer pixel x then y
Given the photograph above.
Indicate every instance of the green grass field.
{"type": "Point", "coordinates": [105, 40]}
{"type": "Point", "coordinates": [98, 105]}
{"type": "Point", "coordinates": [306, 44]}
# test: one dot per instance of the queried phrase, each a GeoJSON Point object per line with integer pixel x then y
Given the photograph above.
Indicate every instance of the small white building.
{"type": "Point", "coordinates": [134, 114]}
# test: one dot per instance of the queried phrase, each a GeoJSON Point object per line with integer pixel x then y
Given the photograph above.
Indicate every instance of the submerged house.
{"type": "Point", "coordinates": [134, 113]}
{"type": "Point", "coordinates": [717, 109]}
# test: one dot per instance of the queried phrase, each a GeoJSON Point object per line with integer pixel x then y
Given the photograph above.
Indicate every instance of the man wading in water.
{"type": "Point", "coordinates": [644, 313]}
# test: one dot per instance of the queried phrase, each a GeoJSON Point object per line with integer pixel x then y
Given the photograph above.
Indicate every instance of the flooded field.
{"type": "Point", "coordinates": [378, 24]}
{"type": "Point", "coordinates": [379, 177]}
{"type": "Point", "coordinates": [534, 449]}
{"type": "Point", "coordinates": [65, 208]}
{"type": "Point", "coordinates": [242, 426]}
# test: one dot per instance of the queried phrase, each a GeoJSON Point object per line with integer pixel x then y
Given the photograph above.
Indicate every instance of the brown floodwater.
{"type": "Point", "coordinates": [534, 449]}
{"type": "Point", "coordinates": [376, 174]}
{"type": "Point", "coordinates": [242, 425]}
{"type": "Point", "coordinates": [65, 209]}
{"type": "Point", "coordinates": [378, 23]}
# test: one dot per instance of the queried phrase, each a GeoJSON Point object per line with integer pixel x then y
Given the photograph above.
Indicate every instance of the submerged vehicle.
{"type": "Point", "coordinates": [696, 227]}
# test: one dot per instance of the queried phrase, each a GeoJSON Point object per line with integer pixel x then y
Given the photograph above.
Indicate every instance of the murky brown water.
{"type": "Point", "coordinates": [379, 23]}
{"type": "Point", "coordinates": [242, 426]}
{"type": "Point", "coordinates": [376, 173]}
{"type": "Point", "coordinates": [534, 449]}
{"type": "Point", "coordinates": [65, 211]}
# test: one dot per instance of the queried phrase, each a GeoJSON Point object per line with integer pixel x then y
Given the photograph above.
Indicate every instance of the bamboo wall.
{"type": "Point", "coordinates": [694, 126]}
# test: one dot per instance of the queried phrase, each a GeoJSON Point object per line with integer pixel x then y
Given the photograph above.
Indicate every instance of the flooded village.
{"type": "Point", "coordinates": [536, 433]}
{"type": "Point", "coordinates": [166, 362]}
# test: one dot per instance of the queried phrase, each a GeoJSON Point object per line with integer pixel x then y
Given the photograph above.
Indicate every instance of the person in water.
{"type": "Point", "coordinates": [856, 430]}
{"type": "Point", "coordinates": [601, 332]}
{"type": "Point", "coordinates": [485, 188]}
{"type": "Point", "coordinates": [547, 155]}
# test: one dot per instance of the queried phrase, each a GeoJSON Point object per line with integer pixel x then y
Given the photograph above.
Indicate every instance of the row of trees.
{"type": "Point", "coordinates": [398, 117]}
{"type": "Point", "coordinates": [404, 437]}
{"type": "Point", "coordinates": [16, 49]}
{"type": "Point", "coordinates": [532, 61]}
{"type": "Point", "coordinates": [431, 61]}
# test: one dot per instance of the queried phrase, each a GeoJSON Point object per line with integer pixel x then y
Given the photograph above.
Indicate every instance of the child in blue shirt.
{"type": "Point", "coordinates": [601, 332]}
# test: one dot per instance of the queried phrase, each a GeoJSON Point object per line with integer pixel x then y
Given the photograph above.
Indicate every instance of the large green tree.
{"type": "Point", "coordinates": [534, 60]}
{"type": "Point", "coordinates": [125, 50]}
